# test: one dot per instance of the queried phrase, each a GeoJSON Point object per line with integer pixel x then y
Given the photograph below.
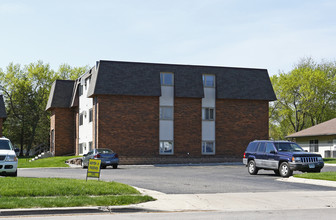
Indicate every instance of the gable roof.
{"type": "Point", "coordinates": [60, 94]}
{"type": "Point", "coordinates": [322, 129]}
{"type": "Point", "coordinates": [143, 79]}
{"type": "Point", "coordinates": [2, 108]}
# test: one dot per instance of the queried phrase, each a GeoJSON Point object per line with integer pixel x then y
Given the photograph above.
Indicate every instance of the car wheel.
{"type": "Point", "coordinates": [285, 170]}
{"type": "Point", "coordinates": [115, 166]}
{"type": "Point", "coordinates": [103, 167]}
{"type": "Point", "coordinates": [252, 169]}
{"type": "Point", "coordinates": [276, 172]}
{"type": "Point", "coordinates": [83, 166]}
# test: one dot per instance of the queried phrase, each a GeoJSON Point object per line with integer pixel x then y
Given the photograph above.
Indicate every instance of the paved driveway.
{"type": "Point", "coordinates": [185, 179]}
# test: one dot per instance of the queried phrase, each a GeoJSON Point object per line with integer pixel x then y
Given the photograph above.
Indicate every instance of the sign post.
{"type": "Point", "coordinates": [93, 170]}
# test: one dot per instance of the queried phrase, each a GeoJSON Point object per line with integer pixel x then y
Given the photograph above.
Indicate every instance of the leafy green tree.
{"type": "Point", "coordinates": [306, 97]}
{"type": "Point", "coordinates": [26, 91]}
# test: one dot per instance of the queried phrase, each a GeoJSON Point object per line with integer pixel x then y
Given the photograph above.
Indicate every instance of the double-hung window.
{"type": "Point", "coordinates": [81, 118]}
{"type": "Point", "coordinates": [313, 146]}
{"type": "Point", "coordinates": [208, 114]}
{"type": "Point", "coordinates": [208, 80]}
{"type": "Point", "coordinates": [208, 147]}
{"type": "Point", "coordinates": [166, 113]}
{"type": "Point", "coordinates": [166, 147]}
{"type": "Point", "coordinates": [90, 115]}
{"type": "Point", "coordinates": [167, 79]}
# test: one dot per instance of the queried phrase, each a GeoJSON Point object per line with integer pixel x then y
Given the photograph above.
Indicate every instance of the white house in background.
{"type": "Point", "coordinates": [320, 138]}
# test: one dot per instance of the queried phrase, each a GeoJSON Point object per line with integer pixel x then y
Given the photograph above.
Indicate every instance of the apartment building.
{"type": "Point", "coordinates": [160, 113]}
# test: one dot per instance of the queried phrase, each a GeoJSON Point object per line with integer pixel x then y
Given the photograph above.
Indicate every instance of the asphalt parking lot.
{"type": "Point", "coordinates": [186, 179]}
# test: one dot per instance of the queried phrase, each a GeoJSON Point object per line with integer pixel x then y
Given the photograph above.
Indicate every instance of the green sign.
{"type": "Point", "coordinates": [93, 170]}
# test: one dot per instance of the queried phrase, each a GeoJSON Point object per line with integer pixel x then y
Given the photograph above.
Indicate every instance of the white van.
{"type": "Point", "coordinates": [8, 159]}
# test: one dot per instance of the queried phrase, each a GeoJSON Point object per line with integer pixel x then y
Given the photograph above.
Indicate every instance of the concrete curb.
{"type": "Point", "coordinates": [308, 181]}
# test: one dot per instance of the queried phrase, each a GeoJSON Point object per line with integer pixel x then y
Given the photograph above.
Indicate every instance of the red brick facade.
{"type": "Point", "coordinates": [187, 127]}
{"type": "Point", "coordinates": [237, 123]}
{"type": "Point", "coordinates": [128, 125]}
{"type": "Point", "coordinates": [62, 131]}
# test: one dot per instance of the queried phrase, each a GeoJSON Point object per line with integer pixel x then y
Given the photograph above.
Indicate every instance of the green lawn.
{"type": "Point", "coordinates": [45, 162]}
{"type": "Point", "coordinates": [54, 192]}
{"type": "Point", "coordinates": [329, 160]}
{"type": "Point", "coordinates": [319, 176]}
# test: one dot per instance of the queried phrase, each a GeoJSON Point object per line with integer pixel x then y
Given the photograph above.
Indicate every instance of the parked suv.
{"type": "Point", "coordinates": [281, 156]}
{"type": "Point", "coordinates": [8, 159]}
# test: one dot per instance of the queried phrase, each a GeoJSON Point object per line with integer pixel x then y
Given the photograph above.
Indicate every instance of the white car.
{"type": "Point", "coordinates": [8, 159]}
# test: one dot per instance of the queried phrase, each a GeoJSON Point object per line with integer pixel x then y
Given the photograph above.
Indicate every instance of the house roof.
{"type": "Point", "coordinates": [2, 108]}
{"type": "Point", "coordinates": [143, 79]}
{"type": "Point", "coordinates": [322, 129]}
{"type": "Point", "coordinates": [60, 94]}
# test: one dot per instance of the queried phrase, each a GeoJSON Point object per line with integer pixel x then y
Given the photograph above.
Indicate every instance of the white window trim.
{"type": "Point", "coordinates": [204, 80]}
{"type": "Point", "coordinates": [214, 114]}
{"type": "Point", "coordinates": [164, 153]}
{"type": "Point", "coordinates": [163, 82]}
{"type": "Point", "coordinates": [214, 148]}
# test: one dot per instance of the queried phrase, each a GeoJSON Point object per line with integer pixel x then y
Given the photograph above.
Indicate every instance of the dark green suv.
{"type": "Point", "coordinates": [281, 156]}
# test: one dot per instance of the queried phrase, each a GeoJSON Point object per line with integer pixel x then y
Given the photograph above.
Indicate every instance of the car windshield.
{"type": "Point", "coordinates": [288, 147]}
{"type": "Point", "coordinates": [105, 151]}
{"type": "Point", "coordinates": [5, 145]}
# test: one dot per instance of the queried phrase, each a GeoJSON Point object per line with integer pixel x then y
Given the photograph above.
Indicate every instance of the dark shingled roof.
{"type": "Point", "coordinates": [143, 79]}
{"type": "Point", "coordinates": [60, 94]}
{"type": "Point", "coordinates": [2, 108]}
{"type": "Point", "coordinates": [324, 129]}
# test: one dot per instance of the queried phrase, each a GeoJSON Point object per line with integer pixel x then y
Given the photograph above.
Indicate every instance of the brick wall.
{"type": "Point", "coordinates": [62, 121]}
{"type": "Point", "coordinates": [128, 125]}
{"type": "Point", "coordinates": [187, 127]}
{"type": "Point", "coordinates": [237, 123]}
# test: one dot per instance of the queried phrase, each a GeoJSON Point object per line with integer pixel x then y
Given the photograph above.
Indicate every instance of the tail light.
{"type": "Point", "coordinates": [244, 155]}
{"type": "Point", "coordinates": [97, 156]}
{"type": "Point", "coordinates": [116, 156]}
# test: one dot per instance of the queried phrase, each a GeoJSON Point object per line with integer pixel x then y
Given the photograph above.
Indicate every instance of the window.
{"type": "Point", "coordinates": [208, 147]}
{"type": "Point", "coordinates": [81, 118]}
{"type": "Point", "coordinates": [166, 113]}
{"type": "Point", "coordinates": [313, 146]}
{"type": "Point", "coordinates": [80, 148]}
{"type": "Point", "coordinates": [90, 115]}
{"type": "Point", "coordinates": [261, 148]}
{"type": "Point", "coordinates": [208, 80]}
{"type": "Point", "coordinates": [208, 114]}
{"type": "Point", "coordinates": [80, 90]}
{"type": "Point", "coordinates": [87, 81]}
{"type": "Point", "coordinates": [269, 147]}
{"type": "Point", "coordinates": [90, 145]}
{"type": "Point", "coordinates": [167, 79]}
{"type": "Point", "coordinates": [166, 147]}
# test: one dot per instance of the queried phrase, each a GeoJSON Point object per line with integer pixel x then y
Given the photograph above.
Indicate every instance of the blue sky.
{"type": "Point", "coordinates": [258, 34]}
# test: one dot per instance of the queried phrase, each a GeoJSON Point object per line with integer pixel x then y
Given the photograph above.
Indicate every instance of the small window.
{"type": "Point", "coordinates": [166, 147]}
{"type": "Point", "coordinates": [80, 148]}
{"type": "Point", "coordinates": [167, 79]}
{"type": "Point", "coordinates": [208, 114]}
{"type": "Point", "coordinates": [90, 145]}
{"type": "Point", "coordinates": [90, 115]}
{"type": "Point", "coordinates": [166, 113]}
{"type": "Point", "coordinates": [208, 80]}
{"type": "Point", "coordinates": [81, 118]}
{"type": "Point", "coordinates": [252, 147]}
{"type": "Point", "coordinates": [80, 90]}
{"type": "Point", "coordinates": [208, 147]}
{"type": "Point", "coordinates": [313, 146]}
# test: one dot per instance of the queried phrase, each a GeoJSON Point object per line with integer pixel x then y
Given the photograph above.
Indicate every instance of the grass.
{"type": "Point", "coordinates": [45, 162]}
{"type": "Point", "coordinates": [54, 192]}
{"type": "Point", "coordinates": [319, 176]}
{"type": "Point", "coordinates": [329, 160]}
